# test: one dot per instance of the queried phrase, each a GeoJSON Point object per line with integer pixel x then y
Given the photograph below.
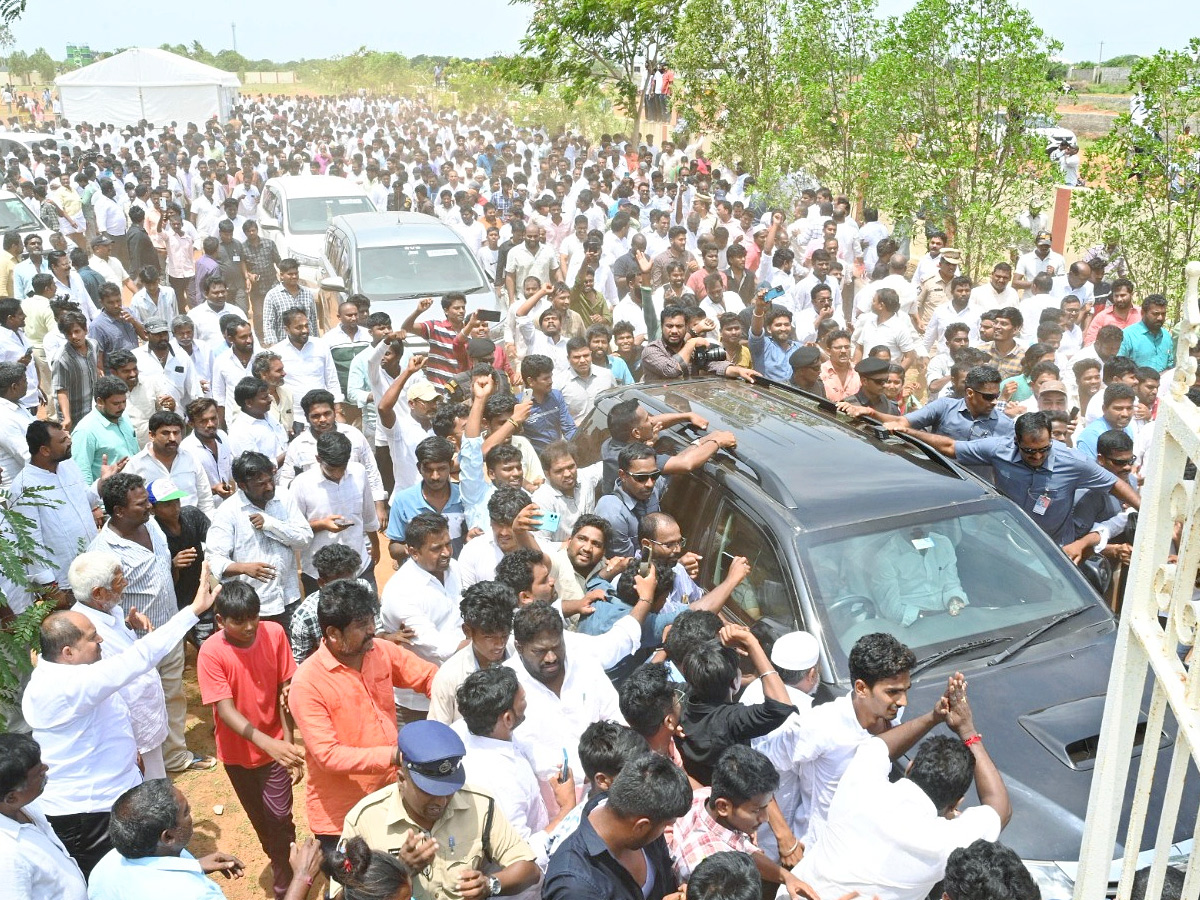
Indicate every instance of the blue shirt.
{"type": "Point", "coordinates": [411, 501]}
{"type": "Point", "coordinates": [950, 416]}
{"type": "Point", "coordinates": [179, 877]}
{"type": "Point", "coordinates": [620, 371]}
{"type": "Point", "coordinates": [1047, 493]}
{"type": "Point", "coordinates": [549, 421]}
{"type": "Point", "coordinates": [1147, 348]}
{"type": "Point", "coordinates": [1085, 444]}
{"type": "Point", "coordinates": [96, 437]}
{"type": "Point", "coordinates": [624, 513]}
{"type": "Point", "coordinates": [770, 358]}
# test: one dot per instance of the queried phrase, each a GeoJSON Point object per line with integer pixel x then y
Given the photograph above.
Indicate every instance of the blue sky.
{"type": "Point", "coordinates": [317, 28]}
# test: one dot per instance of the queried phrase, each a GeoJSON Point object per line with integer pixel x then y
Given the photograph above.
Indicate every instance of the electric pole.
{"type": "Point", "coordinates": [233, 28]}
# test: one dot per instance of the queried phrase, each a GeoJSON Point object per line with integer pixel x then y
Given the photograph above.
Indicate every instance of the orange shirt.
{"type": "Point", "coordinates": [348, 721]}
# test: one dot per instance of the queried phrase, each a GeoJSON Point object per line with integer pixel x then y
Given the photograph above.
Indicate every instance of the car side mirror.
{"type": "Point", "coordinates": [334, 284]}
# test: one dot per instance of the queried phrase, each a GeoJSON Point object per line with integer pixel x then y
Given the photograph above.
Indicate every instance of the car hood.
{"type": "Point", "coordinates": [1040, 714]}
{"type": "Point", "coordinates": [308, 244]}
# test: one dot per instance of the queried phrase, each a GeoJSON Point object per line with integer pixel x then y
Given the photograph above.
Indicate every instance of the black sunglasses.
{"type": "Point", "coordinates": [645, 476]}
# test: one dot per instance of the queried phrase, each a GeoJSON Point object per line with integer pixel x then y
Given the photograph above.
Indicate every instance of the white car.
{"type": "Point", "coordinates": [11, 141]}
{"type": "Point", "coordinates": [15, 215]}
{"type": "Point", "coordinates": [1042, 126]}
{"type": "Point", "coordinates": [295, 211]}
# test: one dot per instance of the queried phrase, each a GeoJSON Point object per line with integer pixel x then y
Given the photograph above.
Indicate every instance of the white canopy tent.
{"type": "Point", "coordinates": [145, 83]}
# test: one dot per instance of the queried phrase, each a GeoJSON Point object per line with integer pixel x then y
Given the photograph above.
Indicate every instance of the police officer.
{"type": "Point", "coordinates": [873, 373]}
{"type": "Point", "coordinates": [935, 290]}
{"type": "Point", "coordinates": [454, 839]}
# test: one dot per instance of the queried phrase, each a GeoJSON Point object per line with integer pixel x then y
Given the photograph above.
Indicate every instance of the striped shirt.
{"type": "Point", "coordinates": [277, 302]}
{"type": "Point", "coordinates": [443, 362]}
{"type": "Point", "coordinates": [233, 539]}
{"type": "Point", "coordinates": [76, 375]}
{"type": "Point", "coordinates": [151, 589]}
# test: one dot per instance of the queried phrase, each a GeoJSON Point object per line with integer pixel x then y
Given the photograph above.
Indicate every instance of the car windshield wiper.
{"type": "Point", "coordinates": [953, 651]}
{"type": "Point", "coordinates": [1021, 643]}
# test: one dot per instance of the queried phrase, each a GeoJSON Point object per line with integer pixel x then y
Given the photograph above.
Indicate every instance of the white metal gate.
{"type": "Point", "coordinates": [1147, 649]}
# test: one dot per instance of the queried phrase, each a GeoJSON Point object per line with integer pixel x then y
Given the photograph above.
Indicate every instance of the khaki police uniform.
{"type": "Point", "coordinates": [382, 821]}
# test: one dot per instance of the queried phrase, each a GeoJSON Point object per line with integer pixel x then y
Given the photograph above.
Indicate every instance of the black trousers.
{"type": "Point", "coordinates": [85, 835]}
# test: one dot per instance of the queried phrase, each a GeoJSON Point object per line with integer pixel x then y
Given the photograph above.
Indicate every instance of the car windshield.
{"type": "Point", "coordinates": [990, 556]}
{"type": "Point", "coordinates": [15, 216]}
{"type": "Point", "coordinates": [311, 215]}
{"type": "Point", "coordinates": [418, 271]}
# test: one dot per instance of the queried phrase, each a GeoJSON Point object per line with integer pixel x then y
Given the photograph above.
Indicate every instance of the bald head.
{"type": "Point", "coordinates": [898, 264]}
{"type": "Point", "coordinates": [59, 631]}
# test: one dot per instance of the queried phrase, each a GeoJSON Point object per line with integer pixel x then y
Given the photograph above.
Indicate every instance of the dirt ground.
{"type": "Point", "coordinates": [231, 831]}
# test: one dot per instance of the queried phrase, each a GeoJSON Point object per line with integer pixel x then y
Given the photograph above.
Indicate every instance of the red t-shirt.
{"type": "Point", "coordinates": [251, 677]}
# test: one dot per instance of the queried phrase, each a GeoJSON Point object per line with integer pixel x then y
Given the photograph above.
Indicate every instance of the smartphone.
{"type": "Point", "coordinates": [646, 563]}
{"type": "Point", "coordinates": [487, 315]}
{"type": "Point", "coordinates": [548, 521]}
{"type": "Point", "coordinates": [773, 293]}
{"type": "Point", "coordinates": [1074, 411]}
{"type": "Point", "coordinates": [566, 768]}
{"type": "Point", "coordinates": [162, 203]}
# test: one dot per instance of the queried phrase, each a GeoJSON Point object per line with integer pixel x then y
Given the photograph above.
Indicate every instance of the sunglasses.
{"type": "Point", "coordinates": [1034, 451]}
{"type": "Point", "coordinates": [988, 396]}
{"type": "Point", "coordinates": [644, 477]}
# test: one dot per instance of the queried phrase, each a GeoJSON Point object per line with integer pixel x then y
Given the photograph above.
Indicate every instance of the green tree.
{"type": "Point", "coordinates": [19, 634]}
{"type": "Point", "coordinates": [41, 62]}
{"type": "Point", "coordinates": [1145, 176]}
{"type": "Point", "coordinates": [588, 47]}
{"type": "Point", "coordinates": [731, 81]}
{"type": "Point", "coordinates": [950, 93]}
{"type": "Point", "coordinates": [18, 64]}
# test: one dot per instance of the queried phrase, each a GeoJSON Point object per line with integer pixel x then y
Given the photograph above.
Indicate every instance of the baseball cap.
{"type": "Point", "coordinates": [480, 348]}
{"type": "Point", "coordinates": [101, 239]}
{"type": "Point", "coordinates": [1054, 387]}
{"type": "Point", "coordinates": [423, 391]}
{"type": "Point", "coordinates": [1043, 237]}
{"type": "Point", "coordinates": [797, 651]}
{"type": "Point", "coordinates": [155, 325]}
{"type": "Point", "coordinates": [163, 489]}
{"type": "Point", "coordinates": [431, 755]}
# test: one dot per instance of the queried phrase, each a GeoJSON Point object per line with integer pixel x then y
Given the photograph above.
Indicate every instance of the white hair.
{"type": "Point", "coordinates": [90, 571]}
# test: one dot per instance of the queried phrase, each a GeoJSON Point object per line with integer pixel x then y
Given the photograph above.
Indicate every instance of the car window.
{"type": "Point", "coordinates": [311, 215]}
{"type": "Point", "coordinates": [765, 592]}
{"type": "Point", "coordinates": [418, 270]}
{"type": "Point", "coordinates": [901, 576]}
{"type": "Point", "coordinates": [15, 216]}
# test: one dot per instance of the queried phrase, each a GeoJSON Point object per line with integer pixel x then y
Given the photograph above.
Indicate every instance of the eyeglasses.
{"type": "Point", "coordinates": [1124, 462]}
{"type": "Point", "coordinates": [1034, 451]}
{"type": "Point", "coordinates": [681, 543]}
{"type": "Point", "coordinates": [988, 396]}
{"type": "Point", "coordinates": [643, 477]}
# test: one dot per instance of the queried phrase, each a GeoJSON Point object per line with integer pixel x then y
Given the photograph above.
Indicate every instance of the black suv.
{"type": "Point", "coordinates": [823, 506]}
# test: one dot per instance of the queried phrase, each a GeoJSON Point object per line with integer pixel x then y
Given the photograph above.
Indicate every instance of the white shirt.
{"type": "Point", "coordinates": [429, 607]}
{"type": "Point", "coordinates": [898, 283]}
{"type": "Point", "coordinates": [500, 769]}
{"type": "Point", "coordinates": [144, 307]}
{"type": "Point", "coordinates": [478, 560]}
{"type": "Point", "coordinates": [945, 315]}
{"type": "Point", "coordinates": [177, 373]}
{"type": "Point", "coordinates": [34, 862]}
{"type": "Point", "coordinates": [538, 342]}
{"type": "Point", "coordinates": [207, 321]}
{"type": "Point", "coordinates": [143, 695]}
{"type": "Point", "coordinates": [232, 538]}
{"type": "Point", "coordinates": [14, 448]}
{"type": "Point", "coordinates": [302, 456]}
{"type": "Point", "coordinates": [217, 469]}
{"type": "Point", "coordinates": [308, 368]}
{"type": "Point", "coordinates": [264, 435]}
{"type": "Point", "coordinates": [110, 269]}
{"type": "Point", "coordinates": [1031, 307]}
{"type": "Point", "coordinates": [984, 297]}
{"type": "Point", "coordinates": [317, 497]}
{"type": "Point", "coordinates": [901, 821]}
{"type": "Point", "coordinates": [811, 753]}
{"type": "Point", "coordinates": [1086, 292]}
{"type": "Point", "coordinates": [580, 393]}
{"type": "Point", "coordinates": [896, 334]}
{"type": "Point", "coordinates": [187, 471]}
{"type": "Point", "coordinates": [227, 372]}
{"type": "Point", "coordinates": [1030, 265]}
{"type": "Point", "coordinates": [554, 722]}
{"type": "Point", "coordinates": [799, 296]}
{"type": "Point", "coordinates": [67, 525]}
{"type": "Point", "coordinates": [569, 509]}
{"type": "Point", "coordinates": [14, 345]}
{"type": "Point", "coordinates": [82, 724]}
{"type": "Point", "coordinates": [627, 310]}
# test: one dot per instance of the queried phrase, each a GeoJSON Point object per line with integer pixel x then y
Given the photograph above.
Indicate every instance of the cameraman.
{"type": "Point", "coordinates": [674, 354]}
{"type": "Point", "coordinates": [772, 351]}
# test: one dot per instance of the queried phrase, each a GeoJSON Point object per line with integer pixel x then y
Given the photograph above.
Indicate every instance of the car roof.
{"type": "Point", "coordinates": [828, 469]}
{"type": "Point", "coordinates": [386, 229]}
{"type": "Point", "coordinates": [294, 186]}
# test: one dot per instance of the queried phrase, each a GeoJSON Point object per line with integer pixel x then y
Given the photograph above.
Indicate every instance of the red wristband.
{"type": "Point", "coordinates": [976, 738]}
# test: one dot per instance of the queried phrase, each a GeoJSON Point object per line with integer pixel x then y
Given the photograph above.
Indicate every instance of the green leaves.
{"type": "Point", "coordinates": [1145, 190]}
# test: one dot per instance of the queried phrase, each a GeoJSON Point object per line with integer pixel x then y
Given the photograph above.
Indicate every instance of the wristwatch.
{"type": "Point", "coordinates": [494, 886]}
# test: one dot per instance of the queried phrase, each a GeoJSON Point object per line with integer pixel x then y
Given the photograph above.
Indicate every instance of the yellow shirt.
{"type": "Point", "coordinates": [8, 262]}
{"type": "Point", "coordinates": [382, 821]}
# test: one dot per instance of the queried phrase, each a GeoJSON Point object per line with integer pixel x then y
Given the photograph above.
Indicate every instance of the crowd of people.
{"type": "Point", "coordinates": [491, 666]}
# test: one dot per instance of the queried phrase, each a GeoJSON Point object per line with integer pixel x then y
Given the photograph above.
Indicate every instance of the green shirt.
{"type": "Point", "coordinates": [95, 436]}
